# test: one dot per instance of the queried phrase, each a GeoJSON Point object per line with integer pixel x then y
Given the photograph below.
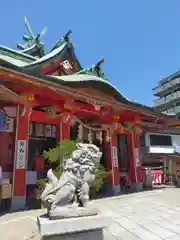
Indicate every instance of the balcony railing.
{"type": "Point", "coordinates": [174, 110]}
{"type": "Point", "coordinates": [166, 86]}
{"type": "Point", "coordinates": [167, 99]}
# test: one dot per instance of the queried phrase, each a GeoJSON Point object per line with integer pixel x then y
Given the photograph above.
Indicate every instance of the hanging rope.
{"type": "Point", "coordinates": [87, 126]}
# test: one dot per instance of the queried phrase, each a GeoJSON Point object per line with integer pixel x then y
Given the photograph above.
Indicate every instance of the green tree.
{"type": "Point", "coordinates": [63, 149]}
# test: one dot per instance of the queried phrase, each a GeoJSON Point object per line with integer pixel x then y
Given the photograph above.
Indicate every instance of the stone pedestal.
{"type": "Point", "coordinates": [136, 187]}
{"type": "Point", "coordinates": [80, 228]}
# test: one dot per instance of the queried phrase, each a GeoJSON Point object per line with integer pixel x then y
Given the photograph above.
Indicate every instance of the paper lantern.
{"type": "Point", "coordinates": [80, 132]}
{"type": "Point", "coordinates": [99, 136]}
{"type": "Point", "coordinates": [90, 136]}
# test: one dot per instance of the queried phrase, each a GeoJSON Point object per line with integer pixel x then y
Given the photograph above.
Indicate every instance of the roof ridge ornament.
{"type": "Point", "coordinates": [95, 70]}
{"type": "Point", "coordinates": [63, 40]}
{"type": "Point", "coordinates": [31, 39]}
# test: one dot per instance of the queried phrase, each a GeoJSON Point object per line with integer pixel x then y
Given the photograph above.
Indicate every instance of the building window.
{"type": "Point", "coordinates": [142, 140]}
{"type": "Point", "coordinates": [160, 140]}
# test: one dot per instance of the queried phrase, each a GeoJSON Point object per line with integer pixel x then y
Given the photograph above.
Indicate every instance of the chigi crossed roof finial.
{"type": "Point", "coordinates": [31, 39]}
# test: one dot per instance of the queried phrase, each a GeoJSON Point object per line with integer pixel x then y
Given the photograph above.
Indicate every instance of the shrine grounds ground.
{"type": "Point", "coordinates": [151, 215]}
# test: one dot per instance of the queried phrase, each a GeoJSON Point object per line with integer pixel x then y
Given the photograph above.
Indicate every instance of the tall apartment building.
{"type": "Point", "coordinates": [158, 145]}
{"type": "Point", "coordinates": [168, 95]}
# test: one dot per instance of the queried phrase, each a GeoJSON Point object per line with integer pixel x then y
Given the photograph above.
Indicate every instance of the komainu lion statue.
{"type": "Point", "coordinates": [71, 190]}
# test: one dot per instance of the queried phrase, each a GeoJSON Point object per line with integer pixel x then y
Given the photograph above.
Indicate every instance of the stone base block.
{"type": "Point", "coordinates": [90, 227]}
{"type": "Point", "coordinates": [71, 212]}
{"type": "Point", "coordinates": [18, 203]}
{"type": "Point", "coordinates": [113, 190]}
{"type": "Point", "coordinates": [148, 182]}
{"type": "Point", "coordinates": [136, 187]}
{"type": "Point", "coordinates": [90, 235]}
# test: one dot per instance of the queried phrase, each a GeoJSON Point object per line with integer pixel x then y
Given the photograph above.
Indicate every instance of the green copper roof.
{"type": "Point", "coordinates": [64, 80]}
{"type": "Point", "coordinates": [34, 65]}
{"type": "Point", "coordinates": [13, 61]}
{"type": "Point", "coordinates": [48, 56]}
{"type": "Point", "coordinates": [87, 80]}
{"type": "Point", "coordinates": [16, 55]}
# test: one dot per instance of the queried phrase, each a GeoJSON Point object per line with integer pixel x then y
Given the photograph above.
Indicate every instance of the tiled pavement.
{"type": "Point", "coordinates": [153, 215]}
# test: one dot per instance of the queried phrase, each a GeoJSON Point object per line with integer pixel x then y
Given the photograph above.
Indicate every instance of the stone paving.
{"type": "Point", "coordinates": [152, 215]}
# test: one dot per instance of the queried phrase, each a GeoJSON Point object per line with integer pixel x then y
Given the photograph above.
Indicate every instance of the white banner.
{"type": "Point", "coordinates": [21, 154]}
{"type": "Point", "coordinates": [114, 156]}
{"type": "Point", "coordinates": [136, 156]}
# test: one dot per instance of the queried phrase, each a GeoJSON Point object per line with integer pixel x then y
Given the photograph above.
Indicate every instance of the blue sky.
{"type": "Point", "coordinates": [140, 40]}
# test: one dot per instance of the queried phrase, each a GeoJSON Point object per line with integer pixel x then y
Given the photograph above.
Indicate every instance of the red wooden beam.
{"type": "Point", "coordinates": [42, 117]}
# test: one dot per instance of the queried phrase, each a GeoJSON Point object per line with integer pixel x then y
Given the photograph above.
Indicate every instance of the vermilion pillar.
{"type": "Point", "coordinates": [63, 128]}
{"type": "Point", "coordinates": [135, 161]}
{"type": "Point", "coordinates": [21, 158]}
{"type": "Point", "coordinates": [112, 165]}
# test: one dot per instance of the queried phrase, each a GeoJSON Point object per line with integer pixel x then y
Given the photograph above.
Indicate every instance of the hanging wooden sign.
{"type": "Point", "coordinates": [66, 66]}
{"type": "Point", "coordinates": [53, 131]}
{"type": "Point", "coordinates": [39, 130]}
{"type": "Point", "coordinates": [95, 102]}
{"type": "Point", "coordinates": [9, 124]}
{"type": "Point", "coordinates": [48, 130]}
{"type": "Point", "coordinates": [6, 123]}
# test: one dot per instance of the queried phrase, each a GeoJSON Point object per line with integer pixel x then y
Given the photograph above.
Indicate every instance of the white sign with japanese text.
{"type": "Point", "coordinates": [114, 156]}
{"type": "Point", "coordinates": [136, 156]}
{"type": "Point", "coordinates": [21, 154]}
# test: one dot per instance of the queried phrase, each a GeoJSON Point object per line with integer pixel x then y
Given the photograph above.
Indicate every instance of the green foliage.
{"type": "Point", "coordinates": [101, 175]}
{"type": "Point", "coordinates": [63, 149]}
